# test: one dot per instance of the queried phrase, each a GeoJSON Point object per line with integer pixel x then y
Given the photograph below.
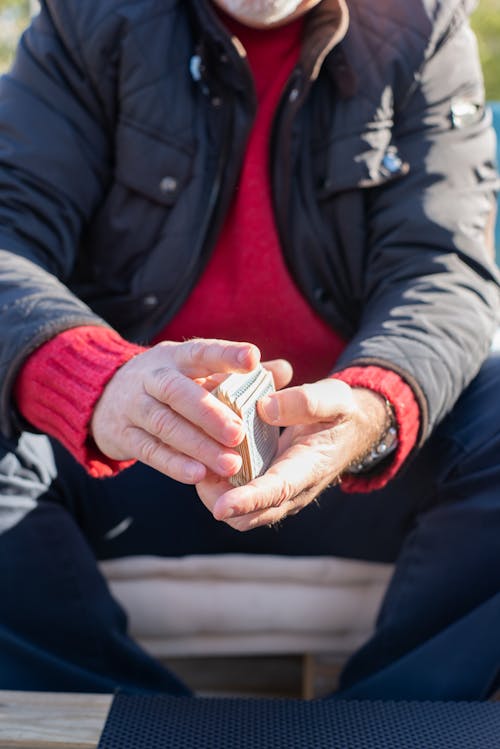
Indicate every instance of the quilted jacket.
{"type": "Point", "coordinates": [122, 129]}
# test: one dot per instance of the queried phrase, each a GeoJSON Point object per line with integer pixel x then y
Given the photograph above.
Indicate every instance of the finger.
{"type": "Point", "coordinates": [269, 517]}
{"type": "Point", "coordinates": [301, 468]}
{"type": "Point", "coordinates": [266, 500]}
{"type": "Point", "coordinates": [282, 371]}
{"type": "Point", "coordinates": [210, 382]}
{"type": "Point", "coordinates": [285, 480]}
{"type": "Point", "coordinates": [212, 487]}
{"type": "Point", "coordinates": [173, 430]}
{"type": "Point", "coordinates": [195, 404]}
{"type": "Point", "coordinates": [152, 452]}
{"type": "Point", "coordinates": [325, 400]}
{"type": "Point", "coordinates": [201, 357]}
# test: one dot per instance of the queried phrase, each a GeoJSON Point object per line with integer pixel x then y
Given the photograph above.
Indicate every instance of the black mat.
{"type": "Point", "coordinates": [162, 722]}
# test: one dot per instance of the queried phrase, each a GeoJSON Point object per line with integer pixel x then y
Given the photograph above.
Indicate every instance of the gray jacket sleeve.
{"type": "Point", "coordinates": [54, 163]}
{"type": "Point", "coordinates": [431, 297]}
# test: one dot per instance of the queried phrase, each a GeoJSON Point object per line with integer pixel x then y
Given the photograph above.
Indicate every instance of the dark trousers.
{"type": "Point", "coordinates": [438, 631]}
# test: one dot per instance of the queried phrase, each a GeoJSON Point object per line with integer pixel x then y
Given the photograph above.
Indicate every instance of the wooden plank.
{"type": "Point", "coordinates": [46, 720]}
{"type": "Point", "coordinates": [240, 676]}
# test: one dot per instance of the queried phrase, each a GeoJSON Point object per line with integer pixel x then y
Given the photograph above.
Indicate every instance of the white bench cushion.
{"type": "Point", "coordinates": [237, 604]}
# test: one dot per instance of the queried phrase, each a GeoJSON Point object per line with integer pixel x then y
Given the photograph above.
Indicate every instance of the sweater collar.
{"type": "Point", "coordinates": [325, 25]}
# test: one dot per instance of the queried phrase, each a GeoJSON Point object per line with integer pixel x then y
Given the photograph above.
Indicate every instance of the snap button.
{"type": "Point", "coordinates": [464, 112]}
{"type": "Point", "coordinates": [294, 94]}
{"type": "Point", "coordinates": [151, 300]}
{"type": "Point", "coordinates": [392, 162]}
{"type": "Point", "coordinates": [195, 65]}
{"type": "Point", "coordinates": [321, 295]}
{"type": "Point", "coordinates": [168, 184]}
{"type": "Point", "coordinates": [216, 101]}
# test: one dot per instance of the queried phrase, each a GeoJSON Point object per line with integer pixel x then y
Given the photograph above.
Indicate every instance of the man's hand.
{"type": "Point", "coordinates": [157, 408]}
{"type": "Point", "coordinates": [329, 425]}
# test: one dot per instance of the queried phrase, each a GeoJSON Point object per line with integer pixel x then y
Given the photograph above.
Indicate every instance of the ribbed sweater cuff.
{"type": "Point", "coordinates": [407, 413]}
{"type": "Point", "coordinates": [60, 383]}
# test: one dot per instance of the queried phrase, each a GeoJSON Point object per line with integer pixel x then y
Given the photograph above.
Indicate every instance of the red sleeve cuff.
{"type": "Point", "coordinates": [407, 413]}
{"type": "Point", "coordinates": [59, 385]}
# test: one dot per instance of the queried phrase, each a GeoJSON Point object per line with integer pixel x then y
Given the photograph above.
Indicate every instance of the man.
{"type": "Point", "coordinates": [315, 181]}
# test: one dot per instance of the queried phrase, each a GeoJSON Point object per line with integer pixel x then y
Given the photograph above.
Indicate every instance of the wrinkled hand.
{"type": "Point", "coordinates": [158, 408]}
{"type": "Point", "coordinates": [329, 425]}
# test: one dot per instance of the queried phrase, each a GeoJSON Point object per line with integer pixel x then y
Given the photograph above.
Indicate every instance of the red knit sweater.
{"type": "Point", "coordinates": [245, 292]}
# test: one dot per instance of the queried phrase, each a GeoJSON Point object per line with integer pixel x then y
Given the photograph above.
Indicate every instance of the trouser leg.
{"type": "Point", "coordinates": [437, 632]}
{"type": "Point", "coordinates": [60, 630]}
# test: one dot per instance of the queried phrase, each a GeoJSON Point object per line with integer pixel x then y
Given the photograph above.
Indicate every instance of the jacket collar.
{"type": "Point", "coordinates": [325, 27]}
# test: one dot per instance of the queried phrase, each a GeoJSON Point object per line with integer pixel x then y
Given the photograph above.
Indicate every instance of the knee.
{"type": "Point", "coordinates": [27, 470]}
{"type": "Point", "coordinates": [475, 419]}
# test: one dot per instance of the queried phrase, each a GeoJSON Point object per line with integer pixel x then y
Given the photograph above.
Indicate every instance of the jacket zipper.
{"type": "Point", "coordinates": [201, 253]}
{"type": "Point", "coordinates": [213, 215]}
{"type": "Point", "coordinates": [281, 159]}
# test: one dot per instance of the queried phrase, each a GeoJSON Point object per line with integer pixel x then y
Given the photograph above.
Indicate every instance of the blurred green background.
{"type": "Point", "coordinates": [14, 15]}
{"type": "Point", "coordinates": [486, 24]}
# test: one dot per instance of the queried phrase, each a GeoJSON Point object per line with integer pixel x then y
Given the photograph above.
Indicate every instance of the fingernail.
{"type": "Point", "coordinates": [194, 473]}
{"type": "Point", "coordinates": [224, 513]}
{"type": "Point", "coordinates": [270, 407]}
{"type": "Point", "coordinates": [232, 434]}
{"type": "Point", "coordinates": [243, 356]}
{"type": "Point", "coordinates": [228, 464]}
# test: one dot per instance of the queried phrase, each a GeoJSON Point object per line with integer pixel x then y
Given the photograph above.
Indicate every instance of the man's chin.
{"type": "Point", "coordinates": [264, 14]}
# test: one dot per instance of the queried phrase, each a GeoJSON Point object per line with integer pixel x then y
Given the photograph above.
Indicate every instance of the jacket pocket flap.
{"type": "Point", "coordinates": [156, 168]}
{"type": "Point", "coordinates": [359, 161]}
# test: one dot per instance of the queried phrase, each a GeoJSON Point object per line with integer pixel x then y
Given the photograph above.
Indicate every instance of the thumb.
{"type": "Point", "coordinates": [307, 404]}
